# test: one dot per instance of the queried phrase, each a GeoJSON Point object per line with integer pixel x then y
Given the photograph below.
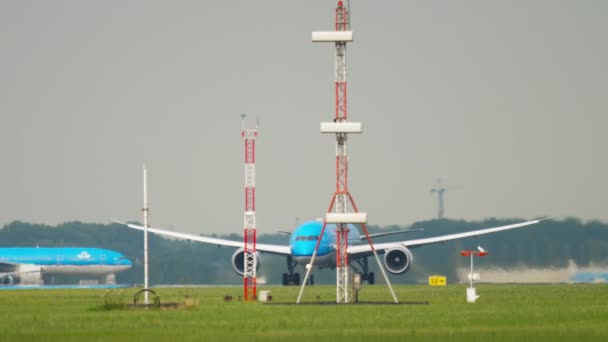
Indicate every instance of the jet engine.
{"type": "Point", "coordinates": [7, 279]}
{"type": "Point", "coordinates": [398, 260]}
{"type": "Point", "coordinates": [29, 275]}
{"type": "Point", "coordinates": [238, 261]}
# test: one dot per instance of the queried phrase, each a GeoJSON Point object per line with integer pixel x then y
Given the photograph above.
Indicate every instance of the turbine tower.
{"type": "Point", "coordinates": [439, 190]}
{"type": "Point", "coordinates": [249, 231]}
{"type": "Point", "coordinates": [339, 212]}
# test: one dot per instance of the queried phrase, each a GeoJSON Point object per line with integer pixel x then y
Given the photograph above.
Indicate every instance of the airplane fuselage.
{"type": "Point", "coordinates": [63, 260]}
{"type": "Point", "coordinates": [304, 240]}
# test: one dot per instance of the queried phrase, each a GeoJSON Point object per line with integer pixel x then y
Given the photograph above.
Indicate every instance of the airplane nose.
{"type": "Point", "coordinates": [302, 249]}
{"type": "Point", "coordinates": [307, 248]}
{"type": "Point", "coordinates": [123, 261]}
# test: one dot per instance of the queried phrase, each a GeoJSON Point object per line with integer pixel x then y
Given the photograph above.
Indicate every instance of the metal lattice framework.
{"type": "Point", "coordinates": [342, 197]}
{"type": "Point", "coordinates": [249, 232]}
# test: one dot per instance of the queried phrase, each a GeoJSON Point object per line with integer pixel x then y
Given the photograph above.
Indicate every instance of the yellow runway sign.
{"type": "Point", "coordinates": [437, 280]}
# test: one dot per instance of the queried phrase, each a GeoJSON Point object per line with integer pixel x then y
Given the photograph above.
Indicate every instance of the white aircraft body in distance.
{"type": "Point", "coordinates": [30, 265]}
{"type": "Point", "coordinates": [397, 255]}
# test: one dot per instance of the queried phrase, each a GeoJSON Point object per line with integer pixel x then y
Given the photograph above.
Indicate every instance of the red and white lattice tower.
{"type": "Point", "coordinates": [249, 234]}
{"type": "Point", "coordinates": [339, 212]}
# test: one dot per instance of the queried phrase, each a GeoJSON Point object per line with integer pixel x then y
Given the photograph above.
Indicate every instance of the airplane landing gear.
{"type": "Point", "coordinates": [370, 277]}
{"type": "Point", "coordinates": [291, 278]}
{"type": "Point", "coordinates": [366, 275]}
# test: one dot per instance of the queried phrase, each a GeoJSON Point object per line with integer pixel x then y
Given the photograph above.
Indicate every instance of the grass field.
{"type": "Point", "coordinates": [503, 312]}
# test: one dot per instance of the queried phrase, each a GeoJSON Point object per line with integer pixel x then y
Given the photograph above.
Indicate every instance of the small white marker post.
{"type": "Point", "coordinates": [471, 293]}
{"type": "Point", "coordinates": [145, 212]}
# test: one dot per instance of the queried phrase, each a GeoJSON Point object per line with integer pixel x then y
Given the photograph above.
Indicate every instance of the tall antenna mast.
{"type": "Point", "coordinates": [146, 213]}
{"type": "Point", "coordinates": [249, 232]}
{"type": "Point", "coordinates": [439, 190]}
{"type": "Point", "coordinates": [339, 212]}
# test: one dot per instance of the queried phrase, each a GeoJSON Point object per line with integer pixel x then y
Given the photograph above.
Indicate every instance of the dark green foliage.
{"type": "Point", "coordinates": [548, 244]}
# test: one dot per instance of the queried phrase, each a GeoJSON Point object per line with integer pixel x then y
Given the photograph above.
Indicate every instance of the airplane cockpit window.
{"type": "Point", "coordinates": [307, 238]}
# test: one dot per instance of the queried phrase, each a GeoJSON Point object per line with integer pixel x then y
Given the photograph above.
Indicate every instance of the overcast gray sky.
{"type": "Point", "coordinates": [506, 101]}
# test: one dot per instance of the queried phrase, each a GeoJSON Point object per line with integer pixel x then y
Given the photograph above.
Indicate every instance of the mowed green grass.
{"type": "Point", "coordinates": [503, 312]}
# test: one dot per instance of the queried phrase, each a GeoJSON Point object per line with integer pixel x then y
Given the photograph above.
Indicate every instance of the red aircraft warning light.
{"type": "Point", "coordinates": [476, 253]}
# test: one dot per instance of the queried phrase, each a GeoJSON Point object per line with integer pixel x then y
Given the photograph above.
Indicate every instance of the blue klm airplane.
{"type": "Point", "coordinates": [397, 255]}
{"type": "Point", "coordinates": [29, 265]}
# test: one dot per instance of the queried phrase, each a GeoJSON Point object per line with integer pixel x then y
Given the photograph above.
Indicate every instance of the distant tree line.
{"type": "Point", "coordinates": [546, 245]}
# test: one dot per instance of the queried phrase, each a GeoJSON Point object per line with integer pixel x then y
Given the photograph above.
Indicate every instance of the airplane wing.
{"type": "Point", "coordinates": [363, 237]}
{"type": "Point", "coordinates": [364, 250]}
{"type": "Point", "coordinates": [260, 247]}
